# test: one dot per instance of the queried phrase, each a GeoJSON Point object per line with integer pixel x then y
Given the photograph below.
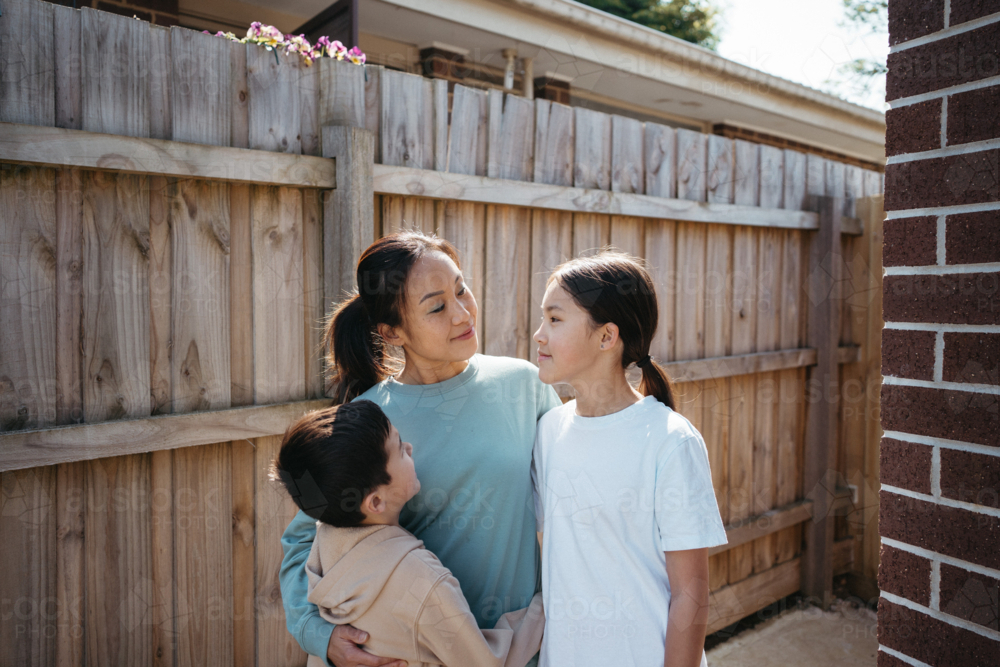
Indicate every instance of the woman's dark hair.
{"type": "Point", "coordinates": [354, 349]}
{"type": "Point", "coordinates": [614, 287]}
{"type": "Point", "coordinates": [331, 459]}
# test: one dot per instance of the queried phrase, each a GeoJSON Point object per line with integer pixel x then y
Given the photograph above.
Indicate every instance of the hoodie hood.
{"type": "Point", "coordinates": [349, 567]}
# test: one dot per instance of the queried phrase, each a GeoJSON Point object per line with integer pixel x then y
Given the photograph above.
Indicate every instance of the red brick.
{"type": "Point", "coordinates": [906, 465]}
{"type": "Point", "coordinates": [909, 241]}
{"type": "Point", "coordinates": [941, 413]}
{"type": "Point", "coordinates": [969, 536]}
{"type": "Point", "coordinates": [904, 574]}
{"type": "Point", "coordinates": [970, 596]}
{"type": "Point", "coordinates": [914, 18]}
{"type": "Point", "coordinates": [972, 116]}
{"type": "Point", "coordinates": [971, 178]}
{"type": "Point", "coordinates": [913, 128]}
{"type": "Point", "coordinates": [886, 660]}
{"type": "Point", "coordinates": [965, 57]}
{"type": "Point", "coordinates": [971, 357]}
{"type": "Point", "coordinates": [908, 354]}
{"type": "Point", "coordinates": [931, 641]}
{"type": "Point", "coordinates": [953, 298]}
{"type": "Point", "coordinates": [970, 477]}
{"type": "Point", "coordinates": [966, 10]}
{"type": "Point", "coordinates": [973, 238]}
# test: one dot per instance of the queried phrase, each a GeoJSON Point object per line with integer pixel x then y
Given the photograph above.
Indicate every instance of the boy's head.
{"type": "Point", "coordinates": [347, 466]}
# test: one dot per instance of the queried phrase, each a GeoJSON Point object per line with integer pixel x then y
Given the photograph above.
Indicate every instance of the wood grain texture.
{"type": "Point", "coordinates": [661, 257]}
{"type": "Point", "coordinates": [308, 85]}
{"type": "Point", "coordinates": [742, 395]}
{"type": "Point", "coordinates": [511, 155]}
{"type": "Point", "coordinates": [70, 562]}
{"type": "Point", "coordinates": [508, 287]}
{"type": "Point", "coordinates": [28, 270]}
{"type": "Point", "coordinates": [69, 297]}
{"type": "Point", "coordinates": [121, 594]}
{"type": "Point", "coordinates": [795, 181]}
{"type": "Point", "coordinates": [772, 177]}
{"type": "Point", "coordinates": [239, 97]}
{"type": "Point", "coordinates": [161, 83]}
{"type": "Point", "coordinates": [200, 94]}
{"type": "Point", "coordinates": [373, 106]}
{"type": "Point", "coordinates": [27, 87]}
{"type": "Point", "coordinates": [627, 173]}
{"type": "Point", "coordinates": [592, 149]}
{"type": "Point", "coordinates": [276, 219]}
{"type": "Point", "coordinates": [115, 296]}
{"type": "Point", "coordinates": [660, 144]}
{"type": "Point", "coordinates": [67, 59]}
{"type": "Point", "coordinates": [314, 303]}
{"type": "Point", "coordinates": [464, 225]}
{"type": "Point", "coordinates": [341, 93]}
{"type": "Point", "coordinates": [203, 553]}
{"type": "Point", "coordinates": [81, 442]}
{"type": "Point", "coordinates": [692, 165]}
{"type": "Point", "coordinates": [241, 340]}
{"type": "Point", "coordinates": [273, 104]}
{"type": "Point", "coordinates": [389, 180]}
{"type": "Point", "coordinates": [467, 134]}
{"type": "Point", "coordinates": [200, 333]}
{"type": "Point", "coordinates": [736, 601]}
{"type": "Point", "coordinates": [440, 125]}
{"type": "Point", "coordinates": [243, 476]}
{"type": "Point", "coordinates": [160, 296]}
{"type": "Point", "coordinates": [115, 89]}
{"type": "Point", "coordinates": [720, 183]}
{"type": "Point", "coordinates": [746, 191]}
{"type": "Point", "coordinates": [407, 126]}
{"type": "Point", "coordinates": [161, 534]}
{"type": "Point", "coordinates": [28, 574]}
{"type": "Point", "coordinates": [554, 143]}
{"type": "Point", "coordinates": [74, 148]}
{"type": "Point", "coordinates": [274, 509]}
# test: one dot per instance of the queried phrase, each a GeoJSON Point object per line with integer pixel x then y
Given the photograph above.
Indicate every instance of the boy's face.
{"type": "Point", "coordinates": [404, 484]}
{"type": "Point", "coordinates": [568, 344]}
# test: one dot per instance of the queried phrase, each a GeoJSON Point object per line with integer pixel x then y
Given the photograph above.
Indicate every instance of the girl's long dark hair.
{"type": "Point", "coordinates": [355, 352]}
{"type": "Point", "coordinates": [614, 287]}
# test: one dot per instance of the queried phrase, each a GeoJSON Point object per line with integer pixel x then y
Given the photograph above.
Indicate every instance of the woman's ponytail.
{"type": "Point", "coordinates": [355, 348]}
{"type": "Point", "coordinates": [615, 287]}
{"type": "Point", "coordinates": [355, 351]}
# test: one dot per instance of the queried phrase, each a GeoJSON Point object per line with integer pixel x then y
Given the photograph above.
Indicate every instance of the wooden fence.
{"type": "Point", "coordinates": [179, 212]}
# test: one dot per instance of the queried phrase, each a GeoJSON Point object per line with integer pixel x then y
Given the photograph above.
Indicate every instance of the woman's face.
{"type": "Point", "coordinates": [439, 320]}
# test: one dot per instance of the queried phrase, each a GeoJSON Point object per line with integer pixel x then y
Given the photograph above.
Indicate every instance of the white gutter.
{"type": "Point", "coordinates": [688, 54]}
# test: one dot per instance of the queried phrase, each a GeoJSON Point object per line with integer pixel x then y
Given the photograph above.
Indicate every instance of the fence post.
{"type": "Point", "coordinates": [348, 210]}
{"type": "Point", "coordinates": [822, 398]}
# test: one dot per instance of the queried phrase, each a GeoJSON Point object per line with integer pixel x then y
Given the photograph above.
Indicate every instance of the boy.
{"type": "Point", "coordinates": [347, 467]}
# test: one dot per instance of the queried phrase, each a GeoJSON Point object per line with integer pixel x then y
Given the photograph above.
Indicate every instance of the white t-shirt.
{"type": "Point", "coordinates": [612, 494]}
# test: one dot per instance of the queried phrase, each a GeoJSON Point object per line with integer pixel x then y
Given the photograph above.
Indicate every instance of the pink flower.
{"type": "Point", "coordinates": [356, 55]}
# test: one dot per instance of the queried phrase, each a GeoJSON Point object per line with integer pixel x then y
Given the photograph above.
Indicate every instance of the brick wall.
{"type": "Point", "coordinates": [939, 514]}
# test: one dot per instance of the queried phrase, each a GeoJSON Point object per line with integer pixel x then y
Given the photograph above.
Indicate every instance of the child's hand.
{"type": "Point", "coordinates": [344, 650]}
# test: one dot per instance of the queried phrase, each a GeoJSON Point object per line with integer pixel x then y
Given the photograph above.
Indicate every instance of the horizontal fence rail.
{"type": "Point", "coordinates": [59, 147]}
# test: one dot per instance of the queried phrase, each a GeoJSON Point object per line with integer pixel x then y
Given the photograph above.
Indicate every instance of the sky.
{"type": "Point", "coordinates": [801, 40]}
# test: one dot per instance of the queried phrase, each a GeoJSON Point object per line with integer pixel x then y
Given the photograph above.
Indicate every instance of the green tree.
{"type": "Point", "coordinates": [871, 15]}
{"type": "Point", "coordinates": [694, 21]}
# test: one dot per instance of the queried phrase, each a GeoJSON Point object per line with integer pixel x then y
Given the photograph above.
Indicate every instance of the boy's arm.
{"type": "Point", "coordinates": [687, 619]}
{"type": "Point", "coordinates": [310, 630]}
{"type": "Point", "coordinates": [447, 632]}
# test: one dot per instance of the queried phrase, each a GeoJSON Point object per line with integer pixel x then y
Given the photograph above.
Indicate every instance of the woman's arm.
{"type": "Point", "coordinates": [687, 619]}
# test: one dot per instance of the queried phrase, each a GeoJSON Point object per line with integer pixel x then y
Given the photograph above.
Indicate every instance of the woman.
{"type": "Point", "coordinates": [471, 418]}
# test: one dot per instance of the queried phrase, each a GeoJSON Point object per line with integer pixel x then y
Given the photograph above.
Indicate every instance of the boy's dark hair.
{"type": "Point", "coordinates": [331, 459]}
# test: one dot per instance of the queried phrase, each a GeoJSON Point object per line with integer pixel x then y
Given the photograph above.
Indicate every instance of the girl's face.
{"type": "Point", "coordinates": [439, 320]}
{"type": "Point", "coordinates": [569, 346]}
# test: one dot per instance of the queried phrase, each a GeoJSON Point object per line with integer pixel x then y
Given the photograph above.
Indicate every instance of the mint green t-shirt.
{"type": "Point", "coordinates": [472, 438]}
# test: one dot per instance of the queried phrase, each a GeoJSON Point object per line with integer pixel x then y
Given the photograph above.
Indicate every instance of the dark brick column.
{"type": "Point", "coordinates": [939, 514]}
{"type": "Point", "coordinates": [158, 12]}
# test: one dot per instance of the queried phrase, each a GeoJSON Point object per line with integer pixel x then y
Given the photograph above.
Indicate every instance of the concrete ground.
{"type": "Point", "coordinates": [842, 637]}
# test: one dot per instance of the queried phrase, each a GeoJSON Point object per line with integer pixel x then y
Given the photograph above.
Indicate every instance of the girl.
{"type": "Point", "coordinates": [623, 489]}
{"type": "Point", "coordinates": [473, 415]}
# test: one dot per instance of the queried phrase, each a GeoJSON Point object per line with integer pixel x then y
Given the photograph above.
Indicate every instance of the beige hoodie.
{"type": "Point", "coordinates": [382, 580]}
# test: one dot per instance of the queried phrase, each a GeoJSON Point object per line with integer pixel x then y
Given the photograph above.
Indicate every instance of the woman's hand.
{"type": "Point", "coordinates": [344, 651]}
